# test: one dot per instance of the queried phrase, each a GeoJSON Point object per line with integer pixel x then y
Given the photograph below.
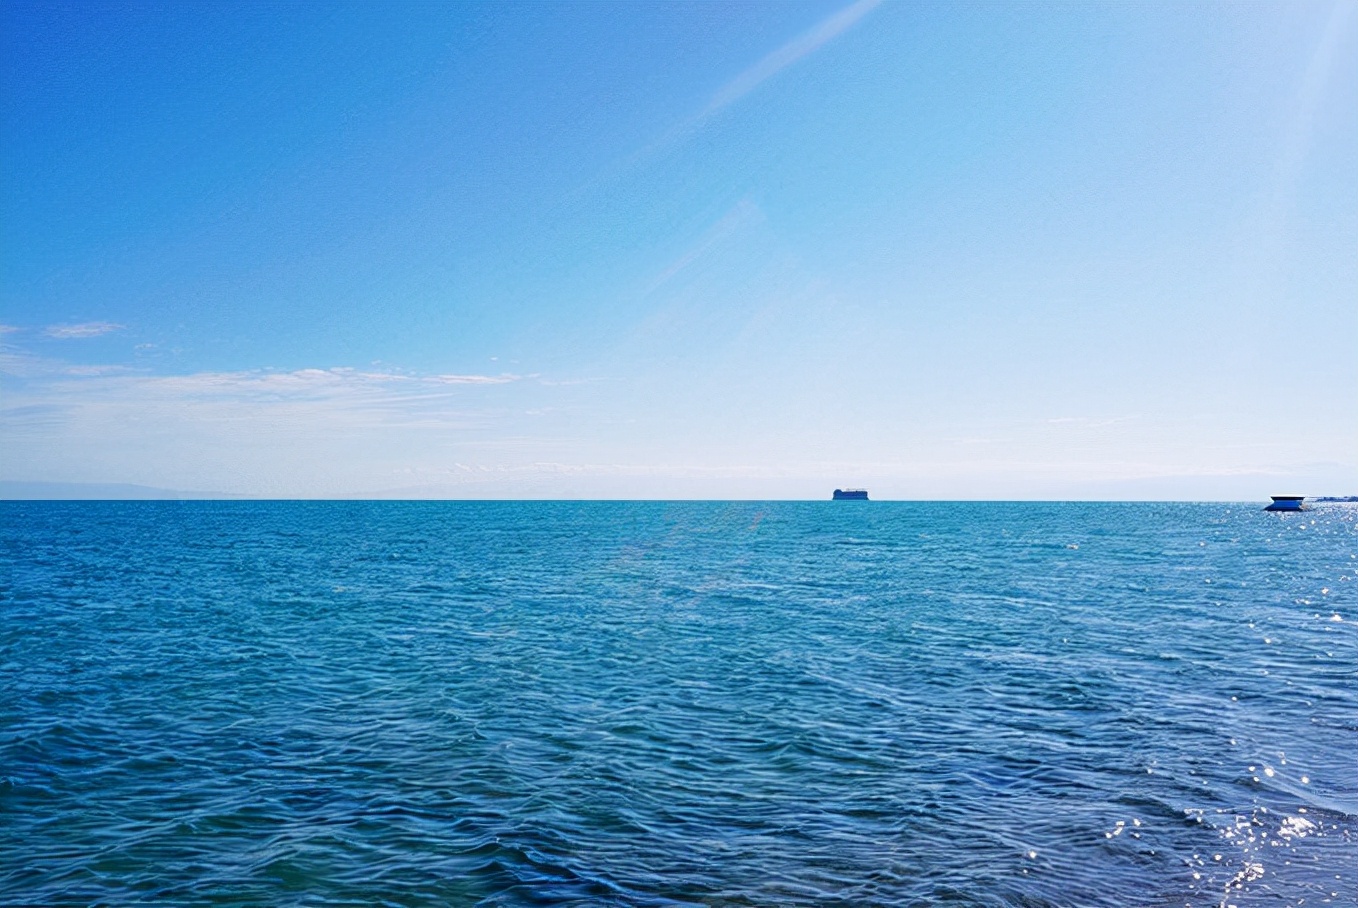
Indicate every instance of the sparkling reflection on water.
{"type": "Point", "coordinates": [243, 703]}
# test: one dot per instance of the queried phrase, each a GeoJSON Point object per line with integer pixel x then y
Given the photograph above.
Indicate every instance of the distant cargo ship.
{"type": "Point", "coordinates": [851, 495]}
{"type": "Point", "coordinates": [1287, 503]}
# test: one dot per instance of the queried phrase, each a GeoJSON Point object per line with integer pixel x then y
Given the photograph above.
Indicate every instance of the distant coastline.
{"type": "Point", "coordinates": [103, 491]}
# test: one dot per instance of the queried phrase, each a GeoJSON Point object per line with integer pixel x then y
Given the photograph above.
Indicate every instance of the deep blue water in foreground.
{"type": "Point", "coordinates": [439, 703]}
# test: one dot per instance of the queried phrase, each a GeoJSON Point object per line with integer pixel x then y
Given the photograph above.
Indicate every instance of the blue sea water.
{"type": "Point", "coordinates": [612, 703]}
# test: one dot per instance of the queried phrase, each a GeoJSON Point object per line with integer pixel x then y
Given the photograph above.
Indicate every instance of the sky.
{"type": "Point", "coordinates": [941, 251]}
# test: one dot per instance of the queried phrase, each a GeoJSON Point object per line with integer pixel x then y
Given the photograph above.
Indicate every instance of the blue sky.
{"type": "Point", "coordinates": [682, 250]}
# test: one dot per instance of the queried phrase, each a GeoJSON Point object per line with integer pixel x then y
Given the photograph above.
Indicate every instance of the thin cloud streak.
{"type": "Point", "coordinates": [786, 55]}
{"type": "Point", "coordinates": [339, 383]}
{"type": "Point", "coordinates": [747, 81]}
{"type": "Point", "coordinates": [335, 385]}
{"type": "Point", "coordinates": [742, 213]}
{"type": "Point", "coordinates": [1089, 422]}
{"type": "Point", "coordinates": [305, 431]}
{"type": "Point", "coordinates": [744, 83]}
{"type": "Point", "coordinates": [82, 330]}
{"type": "Point", "coordinates": [476, 379]}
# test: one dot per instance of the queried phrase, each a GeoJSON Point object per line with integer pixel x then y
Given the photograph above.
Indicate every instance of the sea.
{"type": "Point", "coordinates": [355, 703]}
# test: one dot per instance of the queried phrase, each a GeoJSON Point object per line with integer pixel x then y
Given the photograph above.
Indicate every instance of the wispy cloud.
{"type": "Point", "coordinates": [743, 213]}
{"type": "Point", "coordinates": [570, 382]}
{"type": "Point", "coordinates": [95, 371]}
{"type": "Point", "coordinates": [299, 430]}
{"type": "Point", "coordinates": [475, 379]}
{"type": "Point", "coordinates": [740, 86]}
{"type": "Point", "coordinates": [747, 81]}
{"type": "Point", "coordinates": [337, 385]}
{"type": "Point", "coordinates": [788, 54]}
{"type": "Point", "coordinates": [1089, 422]}
{"type": "Point", "coordinates": [7, 329]}
{"type": "Point", "coordinates": [83, 329]}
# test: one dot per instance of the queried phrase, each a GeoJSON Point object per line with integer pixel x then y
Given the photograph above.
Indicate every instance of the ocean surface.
{"type": "Point", "coordinates": [613, 703]}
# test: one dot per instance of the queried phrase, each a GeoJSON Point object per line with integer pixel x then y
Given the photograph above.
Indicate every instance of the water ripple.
{"type": "Point", "coordinates": [235, 703]}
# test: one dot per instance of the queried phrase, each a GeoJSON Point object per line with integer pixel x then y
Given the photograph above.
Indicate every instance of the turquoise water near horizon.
{"type": "Point", "coordinates": [678, 703]}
